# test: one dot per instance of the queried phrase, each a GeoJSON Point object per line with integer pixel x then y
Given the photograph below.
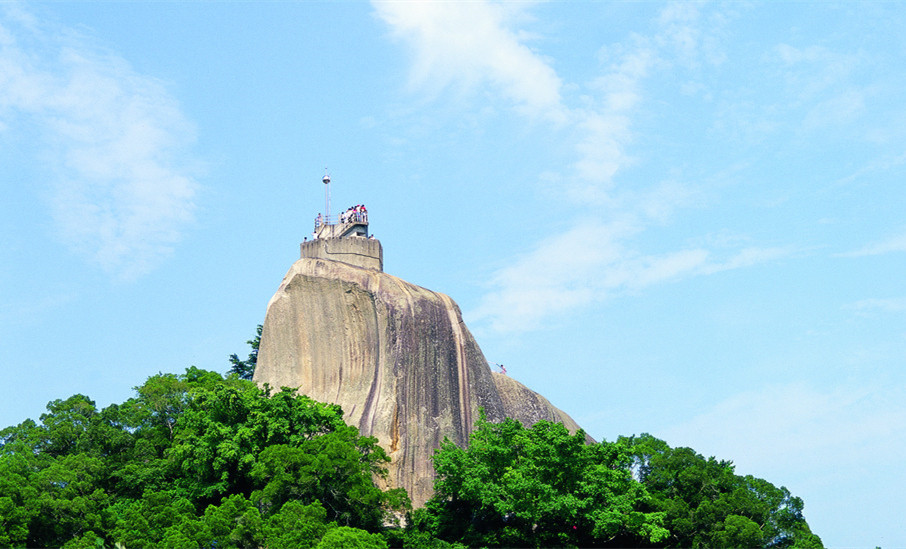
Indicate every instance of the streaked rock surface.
{"type": "Point", "coordinates": [520, 402]}
{"type": "Point", "coordinates": [397, 357]}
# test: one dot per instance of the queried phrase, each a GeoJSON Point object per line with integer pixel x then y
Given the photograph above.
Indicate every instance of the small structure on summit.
{"type": "Point", "coordinates": [344, 237]}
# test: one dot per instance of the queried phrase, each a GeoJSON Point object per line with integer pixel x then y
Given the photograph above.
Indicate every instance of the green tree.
{"type": "Point", "coordinates": [419, 533]}
{"type": "Point", "coordinates": [336, 469]}
{"type": "Point", "coordinates": [706, 504]}
{"type": "Point", "coordinates": [66, 425]}
{"type": "Point", "coordinates": [146, 521]}
{"type": "Point", "coordinates": [199, 460]}
{"type": "Point", "coordinates": [173, 467]}
{"type": "Point", "coordinates": [146, 424]}
{"type": "Point", "coordinates": [16, 498]}
{"type": "Point", "coordinates": [538, 487]}
{"type": "Point", "coordinates": [69, 500]}
{"type": "Point", "coordinates": [161, 401]}
{"type": "Point", "coordinates": [235, 438]}
{"type": "Point", "coordinates": [224, 428]}
{"type": "Point", "coordinates": [296, 526]}
{"type": "Point", "coordinates": [235, 523]}
{"type": "Point", "coordinates": [88, 540]}
{"type": "Point", "coordinates": [344, 537]}
{"type": "Point", "coordinates": [245, 369]}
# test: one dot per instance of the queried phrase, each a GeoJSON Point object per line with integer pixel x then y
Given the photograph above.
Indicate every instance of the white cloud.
{"type": "Point", "coordinates": [811, 70]}
{"type": "Point", "coordinates": [748, 257]}
{"type": "Point", "coordinates": [602, 152]}
{"type": "Point", "coordinates": [681, 32]}
{"type": "Point", "coordinates": [822, 87]}
{"type": "Point", "coordinates": [891, 305]}
{"type": "Point", "coordinates": [893, 244]}
{"type": "Point", "coordinates": [605, 127]}
{"type": "Point", "coordinates": [815, 92]}
{"type": "Point", "coordinates": [875, 165]}
{"type": "Point", "coordinates": [588, 264]}
{"type": "Point", "coordinates": [469, 44]}
{"type": "Point", "coordinates": [794, 56]}
{"type": "Point", "coordinates": [113, 142]}
{"type": "Point", "coordinates": [659, 203]}
{"type": "Point", "coordinates": [552, 279]}
{"type": "Point", "coordinates": [785, 428]}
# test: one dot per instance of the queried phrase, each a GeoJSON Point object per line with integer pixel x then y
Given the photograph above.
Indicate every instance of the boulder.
{"type": "Point", "coordinates": [397, 358]}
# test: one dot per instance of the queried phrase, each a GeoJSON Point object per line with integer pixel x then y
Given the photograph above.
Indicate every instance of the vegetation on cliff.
{"type": "Point", "coordinates": [245, 369]}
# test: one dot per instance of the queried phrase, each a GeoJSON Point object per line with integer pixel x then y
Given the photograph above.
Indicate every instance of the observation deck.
{"type": "Point", "coordinates": [350, 223]}
{"type": "Point", "coordinates": [347, 240]}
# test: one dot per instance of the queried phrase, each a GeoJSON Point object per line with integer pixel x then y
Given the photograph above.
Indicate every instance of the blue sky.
{"type": "Point", "coordinates": [683, 219]}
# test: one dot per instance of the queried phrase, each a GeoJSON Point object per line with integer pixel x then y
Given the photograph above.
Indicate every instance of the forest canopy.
{"type": "Point", "coordinates": [193, 460]}
{"type": "Point", "coordinates": [202, 460]}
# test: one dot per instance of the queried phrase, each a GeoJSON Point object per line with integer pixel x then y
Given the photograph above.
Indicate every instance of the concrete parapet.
{"type": "Point", "coordinates": [350, 228]}
{"type": "Point", "coordinates": [357, 251]}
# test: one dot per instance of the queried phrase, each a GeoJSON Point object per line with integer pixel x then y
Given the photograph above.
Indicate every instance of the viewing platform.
{"type": "Point", "coordinates": [352, 222]}
{"type": "Point", "coordinates": [347, 240]}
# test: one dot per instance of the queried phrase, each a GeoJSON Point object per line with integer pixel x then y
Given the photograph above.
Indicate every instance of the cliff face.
{"type": "Point", "coordinates": [397, 357]}
{"type": "Point", "coordinates": [528, 406]}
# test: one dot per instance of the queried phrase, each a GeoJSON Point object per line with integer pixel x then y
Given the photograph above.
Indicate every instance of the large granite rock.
{"type": "Point", "coordinates": [397, 357]}
{"type": "Point", "coordinates": [529, 407]}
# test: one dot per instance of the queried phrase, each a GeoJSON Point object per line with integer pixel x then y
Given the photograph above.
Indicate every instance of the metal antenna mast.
{"type": "Point", "coordinates": [326, 180]}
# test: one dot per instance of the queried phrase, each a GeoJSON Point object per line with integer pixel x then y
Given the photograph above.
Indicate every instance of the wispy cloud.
{"type": "Point", "coordinates": [114, 143]}
{"type": "Point", "coordinates": [562, 273]}
{"type": "Point", "coordinates": [822, 88]}
{"type": "Point", "coordinates": [472, 43]}
{"type": "Point", "coordinates": [877, 164]}
{"type": "Point", "coordinates": [748, 257]}
{"type": "Point", "coordinates": [794, 425]}
{"type": "Point", "coordinates": [890, 305]}
{"type": "Point", "coordinates": [605, 125]}
{"type": "Point", "coordinates": [589, 264]}
{"type": "Point", "coordinates": [896, 243]}
{"type": "Point", "coordinates": [691, 36]}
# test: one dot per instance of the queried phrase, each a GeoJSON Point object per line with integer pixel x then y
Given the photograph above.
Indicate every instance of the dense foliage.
{"type": "Point", "coordinates": [543, 487]}
{"type": "Point", "coordinates": [706, 504]}
{"type": "Point", "coordinates": [539, 487]}
{"type": "Point", "coordinates": [193, 460]}
{"type": "Point", "coordinates": [199, 460]}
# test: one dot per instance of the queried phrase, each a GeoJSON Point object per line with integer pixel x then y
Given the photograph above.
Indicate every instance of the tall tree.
{"type": "Point", "coordinates": [193, 460]}
{"type": "Point", "coordinates": [706, 504]}
{"type": "Point", "coordinates": [538, 487]}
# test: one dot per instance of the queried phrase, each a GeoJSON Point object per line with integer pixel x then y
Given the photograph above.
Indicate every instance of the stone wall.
{"type": "Point", "coordinates": [359, 252]}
